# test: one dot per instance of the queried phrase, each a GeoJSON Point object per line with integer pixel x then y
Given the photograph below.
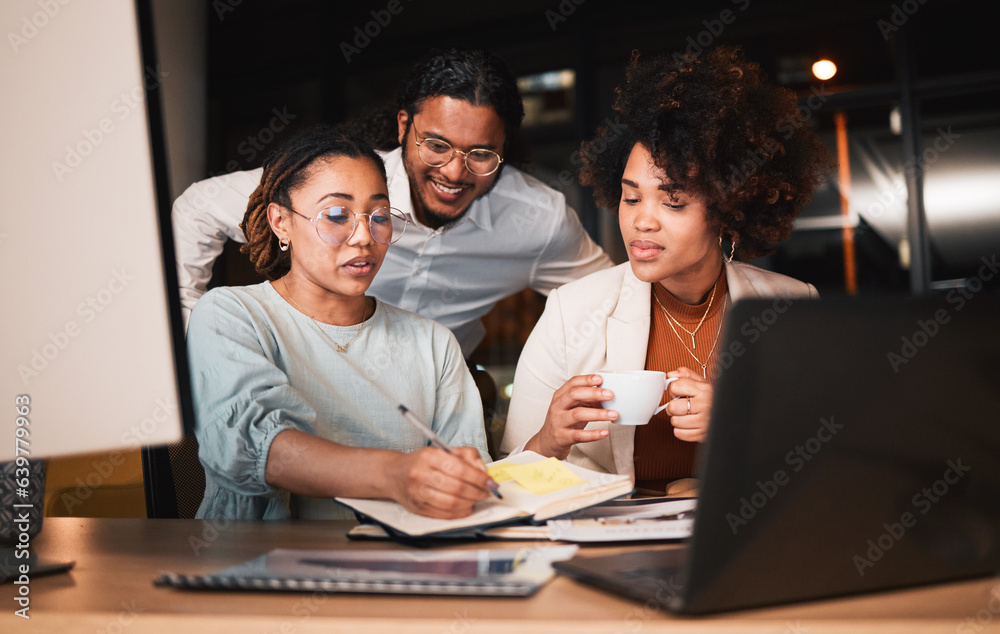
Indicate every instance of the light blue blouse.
{"type": "Point", "coordinates": [259, 367]}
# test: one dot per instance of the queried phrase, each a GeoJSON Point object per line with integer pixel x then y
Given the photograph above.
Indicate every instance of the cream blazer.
{"type": "Point", "coordinates": [601, 322]}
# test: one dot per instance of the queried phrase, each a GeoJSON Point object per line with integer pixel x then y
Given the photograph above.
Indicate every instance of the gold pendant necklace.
{"type": "Point", "coordinates": [704, 366]}
{"type": "Point", "coordinates": [340, 348]}
{"type": "Point", "coordinates": [671, 318]}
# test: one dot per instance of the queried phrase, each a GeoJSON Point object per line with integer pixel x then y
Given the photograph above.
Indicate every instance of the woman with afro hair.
{"type": "Point", "coordinates": [705, 171]}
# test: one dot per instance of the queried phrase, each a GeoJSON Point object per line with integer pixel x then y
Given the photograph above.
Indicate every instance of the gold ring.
{"type": "Point", "coordinates": [689, 406]}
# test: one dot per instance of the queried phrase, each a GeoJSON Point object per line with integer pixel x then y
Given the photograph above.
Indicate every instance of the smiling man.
{"type": "Point", "coordinates": [444, 181]}
{"type": "Point", "coordinates": [480, 230]}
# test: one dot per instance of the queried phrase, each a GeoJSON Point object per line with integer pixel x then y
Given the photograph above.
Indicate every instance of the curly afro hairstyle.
{"type": "Point", "coordinates": [285, 171]}
{"type": "Point", "coordinates": [719, 130]}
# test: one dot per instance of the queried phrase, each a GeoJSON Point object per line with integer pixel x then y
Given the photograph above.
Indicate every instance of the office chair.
{"type": "Point", "coordinates": [490, 396]}
{"type": "Point", "coordinates": [173, 478]}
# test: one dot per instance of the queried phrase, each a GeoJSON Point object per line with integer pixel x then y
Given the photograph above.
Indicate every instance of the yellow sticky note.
{"type": "Point", "coordinates": [543, 476]}
{"type": "Point", "coordinates": [498, 472]}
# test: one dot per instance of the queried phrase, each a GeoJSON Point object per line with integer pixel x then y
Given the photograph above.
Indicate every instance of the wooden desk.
{"type": "Point", "coordinates": [110, 590]}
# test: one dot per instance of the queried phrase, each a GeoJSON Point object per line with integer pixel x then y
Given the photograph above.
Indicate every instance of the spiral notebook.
{"type": "Point", "coordinates": [507, 573]}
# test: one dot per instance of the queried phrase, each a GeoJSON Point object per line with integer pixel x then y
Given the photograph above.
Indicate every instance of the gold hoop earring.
{"type": "Point", "coordinates": [283, 244]}
{"type": "Point", "coordinates": [731, 254]}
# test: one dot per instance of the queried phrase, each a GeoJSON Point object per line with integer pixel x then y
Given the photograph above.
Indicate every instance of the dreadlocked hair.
{"type": "Point", "coordinates": [284, 171]}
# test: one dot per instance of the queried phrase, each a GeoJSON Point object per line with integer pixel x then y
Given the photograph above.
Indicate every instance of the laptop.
{"type": "Point", "coordinates": [854, 447]}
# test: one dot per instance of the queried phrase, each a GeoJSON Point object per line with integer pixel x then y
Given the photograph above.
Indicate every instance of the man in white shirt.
{"type": "Point", "coordinates": [479, 230]}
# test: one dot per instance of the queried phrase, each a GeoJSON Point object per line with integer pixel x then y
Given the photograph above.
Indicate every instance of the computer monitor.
{"type": "Point", "coordinates": [92, 341]}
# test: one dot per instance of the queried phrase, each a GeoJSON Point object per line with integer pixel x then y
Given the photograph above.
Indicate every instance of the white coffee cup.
{"type": "Point", "coordinates": [637, 394]}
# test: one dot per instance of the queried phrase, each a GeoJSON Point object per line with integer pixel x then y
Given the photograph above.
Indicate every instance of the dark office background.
{"type": "Point", "coordinates": [917, 85]}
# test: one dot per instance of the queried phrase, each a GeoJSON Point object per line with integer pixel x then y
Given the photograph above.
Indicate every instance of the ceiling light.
{"type": "Point", "coordinates": [824, 69]}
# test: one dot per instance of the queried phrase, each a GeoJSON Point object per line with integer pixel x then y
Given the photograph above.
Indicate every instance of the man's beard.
{"type": "Point", "coordinates": [431, 218]}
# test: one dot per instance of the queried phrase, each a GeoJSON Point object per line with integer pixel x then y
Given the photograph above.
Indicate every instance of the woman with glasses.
{"type": "Point", "coordinates": [297, 380]}
{"type": "Point", "coordinates": [704, 171]}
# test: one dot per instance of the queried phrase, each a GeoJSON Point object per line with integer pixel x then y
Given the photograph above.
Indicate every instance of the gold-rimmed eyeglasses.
{"type": "Point", "coordinates": [437, 153]}
{"type": "Point", "coordinates": [336, 225]}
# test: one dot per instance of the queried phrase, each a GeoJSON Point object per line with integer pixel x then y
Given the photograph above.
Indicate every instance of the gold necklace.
{"type": "Point", "coordinates": [340, 348]}
{"type": "Point", "coordinates": [704, 370]}
{"type": "Point", "coordinates": [696, 328]}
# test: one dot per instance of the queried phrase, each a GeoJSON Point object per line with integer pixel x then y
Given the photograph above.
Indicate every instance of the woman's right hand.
{"type": "Point", "coordinates": [573, 406]}
{"type": "Point", "coordinates": [437, 484]}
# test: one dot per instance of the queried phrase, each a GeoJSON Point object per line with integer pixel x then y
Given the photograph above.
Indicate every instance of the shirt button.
{"type": "Point", "coordinates": [416, 271]}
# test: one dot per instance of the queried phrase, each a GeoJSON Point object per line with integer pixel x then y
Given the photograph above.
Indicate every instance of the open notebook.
{"type": "Point", "coordinates": [535, 489]}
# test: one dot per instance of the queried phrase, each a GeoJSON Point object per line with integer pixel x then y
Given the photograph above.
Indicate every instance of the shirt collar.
{"type": "Point", "coordinates": [479, 214]}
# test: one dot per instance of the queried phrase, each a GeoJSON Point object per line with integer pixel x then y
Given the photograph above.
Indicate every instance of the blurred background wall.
{"type": "Point", "coordinates": [909, 72]}
{"type": "Point", "coordinates": [913, 113]}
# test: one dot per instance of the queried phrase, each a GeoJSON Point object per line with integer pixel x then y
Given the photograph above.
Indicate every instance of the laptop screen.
{"type": "Point", "coordinates": [853, 447]}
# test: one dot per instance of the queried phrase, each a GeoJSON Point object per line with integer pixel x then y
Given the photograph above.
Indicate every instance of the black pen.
{"type": "Point", "coordinates": [424, 429]}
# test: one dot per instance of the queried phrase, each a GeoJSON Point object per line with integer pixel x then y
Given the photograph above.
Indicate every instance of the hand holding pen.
{"type": "Point", "coordinates": [436, 440]}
